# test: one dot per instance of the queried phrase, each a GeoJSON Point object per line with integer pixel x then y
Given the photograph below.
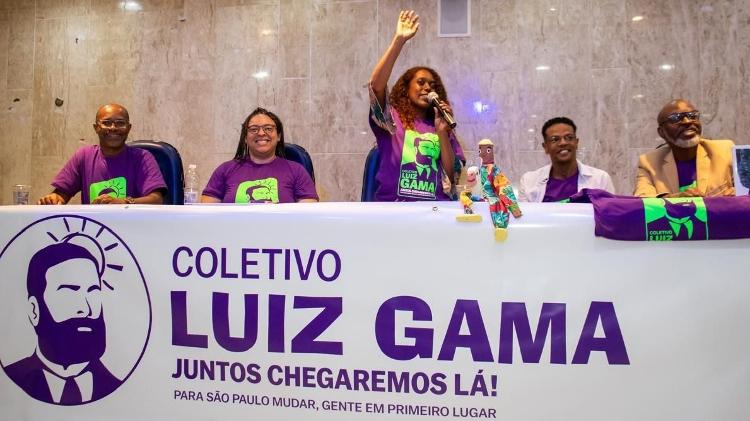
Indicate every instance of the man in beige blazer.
{"type": "Point", "coordinates": [687, 165]}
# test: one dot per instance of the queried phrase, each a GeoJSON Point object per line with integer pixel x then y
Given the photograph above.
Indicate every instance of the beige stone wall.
{"type": "Point", "coordinates": [184, 69]}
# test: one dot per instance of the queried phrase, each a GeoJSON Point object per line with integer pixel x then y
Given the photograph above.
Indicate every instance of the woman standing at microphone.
{"type": "Point", "coordinates": [419, 154]}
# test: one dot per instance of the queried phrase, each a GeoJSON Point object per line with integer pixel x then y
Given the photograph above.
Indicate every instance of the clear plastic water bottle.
{"type": "Point", "coordinates": [191, 185]}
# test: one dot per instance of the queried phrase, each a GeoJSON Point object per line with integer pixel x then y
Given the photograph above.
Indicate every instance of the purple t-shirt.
{"type": "Point", "coordinates": [410, 167]}
{"type": "Point", "coordinates": [279, 181]}
{"type": "Point", "coordinates": [131, 173]}
{"type": "Point", "coordinates": [686, 174]}
{"type": "Point", "coordinates": [559, 190]}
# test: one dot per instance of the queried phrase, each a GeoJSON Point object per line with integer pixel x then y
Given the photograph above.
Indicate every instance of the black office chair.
{"type": "Point", "coordinates": [170, 165]}
{"type": "Point", "coordinates": [298, 154]}
{"type": "Point", "coordinates": [369, 183]}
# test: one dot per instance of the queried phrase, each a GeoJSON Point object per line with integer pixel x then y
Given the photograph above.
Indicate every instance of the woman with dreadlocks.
{"type": "Point", "coordinates": [259, 173]}
{"type": "Point", "coordinates": [419, 154]}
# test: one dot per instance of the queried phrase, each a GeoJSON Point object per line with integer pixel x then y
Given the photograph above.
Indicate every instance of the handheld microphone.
{"type": "Point", "coordinates": [435, 101]}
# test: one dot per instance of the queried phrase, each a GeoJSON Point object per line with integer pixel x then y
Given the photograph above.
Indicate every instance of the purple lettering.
{"type": "Point", "coordinates": [385, 328]}
{"type": "Point", "coordinates": [612, 343]}
{"type": "Point", "coordinates": [304, 341]}
{"type": "Point", "coordinates": [477, 340]}
{"type": "Point", "coordinates": [271, 261]}
{"type": "Point", "coordinates": [304, 273]}
{"type": "Point", "coordinates": [175, 256]}
{"type": "Point", "coordinates": [199, 262]}
{"type": "Point", "coordinates": [276, 306]}
{"type": "Point", "coordinates": [224, 273]}
{"type": "Point", "coordinates": [247, 262]}
{"type": "Point", "coordinates": [180, 335]}
{"type": "Point", "coordinates": [220, 309]}
{"type": "Point", "coordinates": [514, 315]}
{"type": "Point", "coordinates": [336, 265]}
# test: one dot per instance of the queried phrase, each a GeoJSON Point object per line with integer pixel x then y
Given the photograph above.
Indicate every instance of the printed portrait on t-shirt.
{"type": "Point", "coordinates": [116, 187]}
{"type": "Point", "coordinates": [419, 176]}
{"type": "Point", "coordinates": [258, 191]}
{"type": "Point", "coordinates": [683, 218]}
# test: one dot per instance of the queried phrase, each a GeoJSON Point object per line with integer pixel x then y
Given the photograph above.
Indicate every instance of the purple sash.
{"type": "Point", "coordinates": [681, 219]}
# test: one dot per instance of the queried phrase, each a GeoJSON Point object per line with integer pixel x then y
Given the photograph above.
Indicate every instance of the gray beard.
{"type": "Point", "coordinates": [687, 143]}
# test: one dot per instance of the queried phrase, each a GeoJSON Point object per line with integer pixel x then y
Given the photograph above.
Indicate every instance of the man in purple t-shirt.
{"type": "Point", "coordinates": [111, 172]}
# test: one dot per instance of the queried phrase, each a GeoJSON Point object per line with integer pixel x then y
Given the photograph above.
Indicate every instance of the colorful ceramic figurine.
{"type": "Point", "coordinates": [496, 190]}
{"type": "Point", "coordinates": [469, 195]}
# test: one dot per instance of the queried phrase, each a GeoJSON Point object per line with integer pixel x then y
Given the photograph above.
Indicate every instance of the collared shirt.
{"type": "Point", "coordinates": [533, 184]}
{"type": "Point", "coordinates": [84, 381]}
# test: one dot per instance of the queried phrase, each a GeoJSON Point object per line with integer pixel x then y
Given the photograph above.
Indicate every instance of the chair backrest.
{"type": "Point", "coordinates": [170, 165]}
{"type": "Point", "coordinates": [369, 183]}
{"type": "Point", "coordinates": [298, 154]}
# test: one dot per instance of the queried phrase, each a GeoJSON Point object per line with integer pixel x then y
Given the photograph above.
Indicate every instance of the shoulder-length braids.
{"type": "Point", "coordinates": [242, 152]}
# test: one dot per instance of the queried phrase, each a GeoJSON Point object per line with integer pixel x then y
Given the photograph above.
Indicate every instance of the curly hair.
{"type": "Point", "coordinates": [399, 97]}
{"type": "Point", "coordinates": [242, 151]}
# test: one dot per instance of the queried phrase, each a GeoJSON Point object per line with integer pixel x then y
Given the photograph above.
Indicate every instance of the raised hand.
{"type": "Point", "coordinates": [408, 24]}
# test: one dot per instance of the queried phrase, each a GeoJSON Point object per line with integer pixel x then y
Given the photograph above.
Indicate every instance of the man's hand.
{"type": "Point", "coordinates": [693, 192]}
{"type": "Point", "coordinates": [52, 199]}
{"type": "Point", "coordinates": [106, 199]}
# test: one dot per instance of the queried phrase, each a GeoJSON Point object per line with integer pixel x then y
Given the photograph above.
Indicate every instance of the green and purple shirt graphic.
{"type": "Point", "coordinates": [674, 219]}
{"type": "Point", "coordinates": [410, 167]}
{"type": "Point", "coordinates": [133, 172]}
{"type": "Point", "coordinates": [279, 181]}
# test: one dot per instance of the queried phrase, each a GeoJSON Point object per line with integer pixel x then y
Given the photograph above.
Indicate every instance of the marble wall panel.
{"type": "Point", "coordinates": [21, 49]}
{"type": "Point", "coordinates": [720, 104]}
{"type": "Point", "coordinates": [609, 34]}
{"type": "Point", "coordinates": [342, 60]}
{"type": "Point", "coordinates": [196, 126]}
{"type": "Point", "coordinates": [111, 44]}
{"type": "Point", "coordinates": [246, 68]}
{"type": "Point", "coordinates": [52, 9]}
{"type": "Point", "coordinates": [17, 4]}
{"type": "Point", "coordinates": [78, 113]}
{"type": "Point", "coordinates": [294, 38]}
{"type": "Point", "coordinates": [338, 176]}
{"type": "Point", "coordinates": [608, 148]}
{"type": "Point", "coordinates": [743, 53]}
{"type": "Point", "coordinates": [294, 110]}
{"type": "Point", "coordinates": [158, 83]}
{"type": "Point", "coordinates": [4, 38]}
{"type": "Point", "coordinates": [498, 36]}
{"type": "Point", "coordinates": [51, 78]}
{"type": "Point", "coordinates": [15, 142]}
{"type": "Point", "coordinates": [199, 36]}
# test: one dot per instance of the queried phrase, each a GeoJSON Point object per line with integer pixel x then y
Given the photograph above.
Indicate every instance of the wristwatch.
{"type": "Point", "coordinates": [129, 200]}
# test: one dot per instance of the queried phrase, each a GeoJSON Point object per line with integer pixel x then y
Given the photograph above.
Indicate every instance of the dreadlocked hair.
{"type": "Point", "coordinates": [242, 152]}
{"type": "Point", "coordinates": [399, 97]}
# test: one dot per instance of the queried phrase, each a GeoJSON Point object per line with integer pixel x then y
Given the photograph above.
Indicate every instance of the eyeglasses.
{"type": "Point", "coordinates": [113, 124]}
{"type": "Point", "coordinates": [678, 117]}
{"type": "Point", "coordinates": [568, 138]}
{"type": "Point", "coordinates": [267, 129]}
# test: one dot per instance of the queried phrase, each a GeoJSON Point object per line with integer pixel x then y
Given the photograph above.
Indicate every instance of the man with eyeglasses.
{"type": "Point", "coordinates": [690, 166]}
{"type": "Point", "coordinates": [565, 175]}
{"type": "Point", "coordinates": [110, 172]}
